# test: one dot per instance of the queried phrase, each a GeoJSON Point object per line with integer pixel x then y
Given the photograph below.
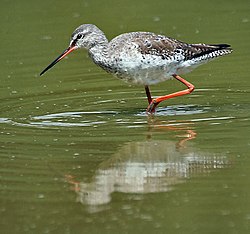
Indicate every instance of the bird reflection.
{"type": "Point", "coordinates": [148, 167]}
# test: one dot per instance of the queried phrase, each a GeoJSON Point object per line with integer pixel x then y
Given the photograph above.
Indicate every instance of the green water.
{"type": "Point", "coordinates": [78, 154]}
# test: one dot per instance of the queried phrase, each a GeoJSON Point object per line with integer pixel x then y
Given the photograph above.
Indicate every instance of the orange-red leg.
{"type": "Point", "coordinates": [154, 102]}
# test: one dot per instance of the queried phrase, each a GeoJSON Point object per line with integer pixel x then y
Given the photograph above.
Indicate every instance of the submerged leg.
{"type": "Point", "coordinates": [153, 104]}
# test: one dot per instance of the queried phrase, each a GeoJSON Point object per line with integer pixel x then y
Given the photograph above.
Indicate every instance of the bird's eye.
{"type": "Point", "coordinates": [79, 36]}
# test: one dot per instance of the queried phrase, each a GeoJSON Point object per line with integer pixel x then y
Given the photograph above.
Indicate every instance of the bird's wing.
{"type": "Point", "coordinates": [158, 45]}
{"type": "Point", "coordinates": [166, 47]}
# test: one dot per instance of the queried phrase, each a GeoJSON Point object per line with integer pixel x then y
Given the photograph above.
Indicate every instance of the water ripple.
{"type": "Point", "coordinates": [72, 114]}
{"type": "Point", "coordinates": [178, 110]}
{"type": "Point", "coordinates": [132, 120]}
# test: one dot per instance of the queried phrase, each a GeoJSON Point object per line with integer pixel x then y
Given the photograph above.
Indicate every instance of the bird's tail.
{"type": "Point", "coordinates": [205, 52]}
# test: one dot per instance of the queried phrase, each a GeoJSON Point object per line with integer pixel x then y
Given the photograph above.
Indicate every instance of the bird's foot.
{"type": "Point", "coordinates": [152, 106]}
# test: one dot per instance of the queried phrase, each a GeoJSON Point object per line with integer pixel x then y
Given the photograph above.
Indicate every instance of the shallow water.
{"type": "Point", "coordinates": [78, 152]}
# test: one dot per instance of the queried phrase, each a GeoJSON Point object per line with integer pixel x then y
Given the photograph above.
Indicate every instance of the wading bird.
{"type": "Point", "coordinates": [143, 58]}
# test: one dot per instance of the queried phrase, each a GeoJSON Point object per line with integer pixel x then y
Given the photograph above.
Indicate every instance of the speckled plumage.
{"type": "Point", "coordinates": [143, 57]}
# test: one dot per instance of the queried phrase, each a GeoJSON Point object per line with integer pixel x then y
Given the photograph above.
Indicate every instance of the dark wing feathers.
{"type": "Point", "coordinates": [157, 45]}
{"type": "Point", "coordinates": [198, 50]}
{"type": "Point", "coordinates": [166, 47]}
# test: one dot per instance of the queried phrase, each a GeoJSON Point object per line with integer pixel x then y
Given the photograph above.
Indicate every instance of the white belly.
{"type": "Point", "coordinates": [150, 69]}
{"type": "Point", "coordinates": [145, 71]}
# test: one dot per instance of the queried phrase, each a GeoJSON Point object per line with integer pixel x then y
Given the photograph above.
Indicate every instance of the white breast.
{"type": "Point", "coordinates": [145, 69]}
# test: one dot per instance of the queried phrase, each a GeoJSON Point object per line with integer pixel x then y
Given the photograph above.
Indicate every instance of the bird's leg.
{"type": "Point", "coordinates": [156, 101]}
{"type": "Point", "coordinates": [148, 94]}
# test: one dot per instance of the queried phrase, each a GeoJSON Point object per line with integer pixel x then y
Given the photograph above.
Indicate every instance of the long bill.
{"type": "Point", "coordinates": [59, 58]}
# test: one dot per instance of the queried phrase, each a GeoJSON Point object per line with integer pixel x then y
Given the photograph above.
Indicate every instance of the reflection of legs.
{"type": "Point", "coordinates": [187, 133]}
{"type": "Point", "coordinates": [70, 180]}
{"type": "Point", "coordinates": [153, 104]}
{"type": "Point", "coordinates": [189, 136]}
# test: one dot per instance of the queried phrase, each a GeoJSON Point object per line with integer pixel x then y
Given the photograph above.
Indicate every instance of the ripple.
{"type": "Point", "coordinates": [97, 118]}
{"type": "Point", "coordinates": [72, 114]}
{"type": "Point", "coordinates": [178, 110]}
{"type": "Point", "coordinates": [213, 118]}
{"type": "Point", "coordinates": [5, 120]}
{"type": "Point", "coordinates": [68, 124]}
{"type": "Point", "coordinates": [64, 119]}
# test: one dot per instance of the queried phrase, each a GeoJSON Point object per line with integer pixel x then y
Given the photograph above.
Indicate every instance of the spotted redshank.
{"type": "Point", "coordinates": [143, 58]}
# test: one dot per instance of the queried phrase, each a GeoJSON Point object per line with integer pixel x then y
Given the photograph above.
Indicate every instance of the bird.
{"type": "Point", "coordinates": [143, 58]}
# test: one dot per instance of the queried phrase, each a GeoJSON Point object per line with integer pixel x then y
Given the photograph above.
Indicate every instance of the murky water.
{"type": "Point", "coordinates": [78, 154]}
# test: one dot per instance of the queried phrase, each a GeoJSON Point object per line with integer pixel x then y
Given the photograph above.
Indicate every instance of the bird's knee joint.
{"type": "Point", "coordinates": [191, 88]}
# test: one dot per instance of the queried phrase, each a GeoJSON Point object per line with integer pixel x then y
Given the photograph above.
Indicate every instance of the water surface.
{"type": "Point", "coordinates": [78, 153]}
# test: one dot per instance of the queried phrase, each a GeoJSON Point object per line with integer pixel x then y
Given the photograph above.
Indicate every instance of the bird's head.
{"type": "Point", "coordinates": [85, 36]}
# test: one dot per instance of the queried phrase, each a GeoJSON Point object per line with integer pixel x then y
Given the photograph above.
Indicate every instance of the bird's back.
{"type": "Point", "coordinates": [147, 58]}
{"type": "Point", "coordinates": [166, 47]}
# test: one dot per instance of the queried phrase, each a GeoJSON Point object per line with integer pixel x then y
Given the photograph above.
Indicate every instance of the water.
{"type": "Point", "coordinates": [80, 155]}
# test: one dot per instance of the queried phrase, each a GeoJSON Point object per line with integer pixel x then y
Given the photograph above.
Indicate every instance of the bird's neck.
{"type": "Point", "coordinates": [99, 52]}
